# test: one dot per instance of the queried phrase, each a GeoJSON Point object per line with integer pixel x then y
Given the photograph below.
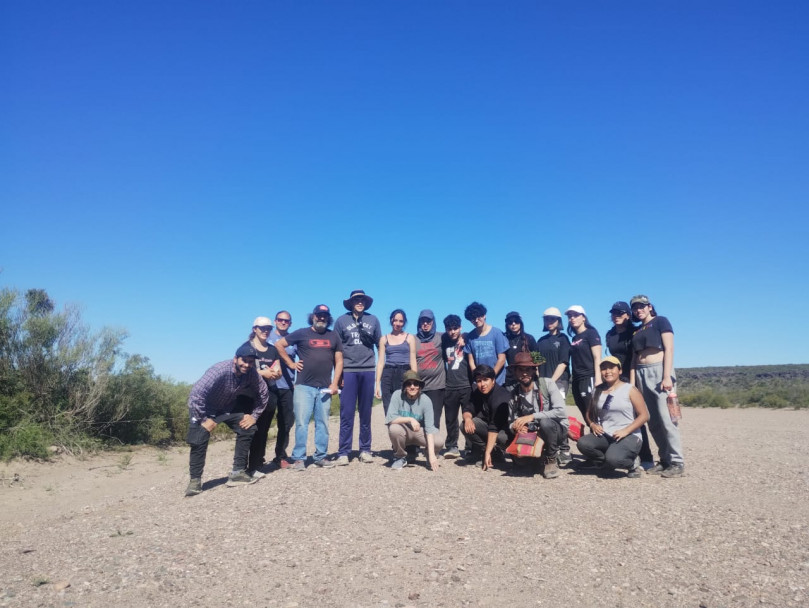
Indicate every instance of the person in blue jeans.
{"type": "Point", "coordinates": [359, 333]}
{"type": "Point", "coordinates": [319, 367]}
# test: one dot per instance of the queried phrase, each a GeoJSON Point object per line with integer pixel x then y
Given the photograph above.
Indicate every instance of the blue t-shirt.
{"type": "Point", "coordinates": [287, 379]}
{"type": "Point", "coordinates": [485, 349]}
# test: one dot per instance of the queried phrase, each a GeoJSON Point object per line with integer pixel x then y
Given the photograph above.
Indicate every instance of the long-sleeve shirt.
{"type": "Point", "coordinates": [491, 409]}
{"type": "Point", "coordinates": [551, 406]}
{"type": "Point", "coordinates": [216, 392]}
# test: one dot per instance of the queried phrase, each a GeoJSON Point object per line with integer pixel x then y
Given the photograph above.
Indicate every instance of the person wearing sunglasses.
{"type": "Point", "coordinates": [554, 347]}
{"type": "Point", "coordinates": [321, 353]}
{"type": "Point", "coordinates": [284, 387]}
{"type": "Point", "coordinates": [585, 357]}
{"type": "Point", "coordinates": [410, 423]}
{"type": "Point", "coordinates": [268, 367]}
{"type": "Point", "coordinates": [615, 417]}
{"type": "Point", "coordinates": [653, 373]}
{"type": "Point", "coordinates": [519, 341]}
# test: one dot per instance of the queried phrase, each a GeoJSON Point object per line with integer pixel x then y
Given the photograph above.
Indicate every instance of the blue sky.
{"type": "Point", "coordinates": [179, 168]}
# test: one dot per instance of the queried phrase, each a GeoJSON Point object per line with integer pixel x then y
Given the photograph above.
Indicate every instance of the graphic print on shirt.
{"type": "Point", "coordinates": [429, 355]}
{"type": "Point", "coordinates": [319, 343]}
{"type": "Point", "coordinates": [484, 350]}
{"type": "Point", "coordinates": [454, 357]}
{"type": "Point", "coordinates": [354, 333]}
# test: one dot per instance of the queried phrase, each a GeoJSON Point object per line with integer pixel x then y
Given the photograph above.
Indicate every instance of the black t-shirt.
{"type": "Point", "coordinates": [580, 354]}
{"type": "Point", "coordinates": [491, 408]}
{"type": "Point", "coordinates": [317, 353]}
{"type": "Point", "coordinates": [456, 362]}
{"type": "Point", "coordinates": [620, 346]}
{"type": "Point", "coordinates": [555, 350]}
{"type": "Point", "coordinates": [649, 335]}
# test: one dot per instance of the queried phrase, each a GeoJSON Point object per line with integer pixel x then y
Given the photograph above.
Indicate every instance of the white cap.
{"type": "Point", "coordinates": [576, 308]}
{"type": "Point", "coordinates": [261, 321]}
{"type": "Point", "coordinates": [552, 312]}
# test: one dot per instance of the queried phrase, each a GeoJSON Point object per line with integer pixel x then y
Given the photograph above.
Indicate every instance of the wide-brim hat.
{"type": "Point", "coordinates": [411, 376]}
{"type": "Point", "coordinates": [358, 293]}
{"type": "Point", "coordinates": [524, 360]}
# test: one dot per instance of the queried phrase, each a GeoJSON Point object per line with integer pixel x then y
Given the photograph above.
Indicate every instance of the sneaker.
{"type": "Point", "coordinates": [564, 458]}
{"type": "Point", "coordinates": [636, 470]}
{"type": "Point", "coordinates": [255, 474]}
{"type": "Point", "coordinates": [551, 470]}
{"type": "Point", "coordinates": [240, 478]}
{"type": "Point", "coordinates": [398, 464]}
{"type": "Point", "coordinates": [299, 465]}
{"type": "Point", "coordinates": [325, 464]}
{"type": "Point", "coordinates": [673, 470]}
{"type": "Point", "coordinates": [647, 464]}
{"type": "Point", "coordinates": [366, 457]}
{"type": "Point", "coordinates": [342, 461]}
{"type": "Point", "coordinates": [194, 487]}
{"type": "Point", "coordinates": [280, 463]}
{"type": "Point", "coordinates": [452, 454]}
{"type": "Point", "coordinates": [657, 469]}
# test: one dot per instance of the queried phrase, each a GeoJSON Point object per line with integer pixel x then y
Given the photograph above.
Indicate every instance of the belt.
{"type": "Point", "coordinates": [396, 366]}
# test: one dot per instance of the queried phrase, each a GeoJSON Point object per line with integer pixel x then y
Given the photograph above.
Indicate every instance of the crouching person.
{"type": "Point", "coordinates": [410, 422]}
{"type": "Point", "coordinates": [537, 406]}
{"type": "Point", "coordinates": [213, 401]}
{"type": "Point", "coordinates": [485, 418]}
{"type": "Point", "coordinates": [616, 415]}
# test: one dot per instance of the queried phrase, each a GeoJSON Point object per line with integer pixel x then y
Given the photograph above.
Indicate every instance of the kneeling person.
{"type": "Point", "coordinates": [410, 422]}
{"type": "Point", "coordinates": [537, 406]}
{"type": "Point", "coordinates": [213, 400]}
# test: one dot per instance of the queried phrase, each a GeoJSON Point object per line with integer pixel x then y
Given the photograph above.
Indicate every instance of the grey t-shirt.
{"type": "Point", "coordinates": [421, 409]}
{"type": "Point", "coordinates": [357, 356]}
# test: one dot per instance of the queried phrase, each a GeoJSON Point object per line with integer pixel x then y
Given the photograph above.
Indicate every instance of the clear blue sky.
{"type": "Point", "coordinates": [179, 168]}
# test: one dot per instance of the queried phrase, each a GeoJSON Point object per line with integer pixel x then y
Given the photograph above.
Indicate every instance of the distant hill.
{"type": "Point", "coordinates": [775, 386]}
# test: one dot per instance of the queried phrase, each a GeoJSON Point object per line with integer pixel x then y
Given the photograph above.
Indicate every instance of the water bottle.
{"type": "Point", "coordinates": [674, 408]}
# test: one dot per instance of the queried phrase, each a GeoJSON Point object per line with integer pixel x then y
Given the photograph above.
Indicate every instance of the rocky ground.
{"type": "Point", "coordinates": [115, 530]}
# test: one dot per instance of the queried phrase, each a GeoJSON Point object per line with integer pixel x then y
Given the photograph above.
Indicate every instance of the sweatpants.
{"type": "Point", "coordinates": [663, 430]}
{"type": "Point", "coordinates": [617, 454]}
{"type": "Point", "coordinates": [357, 395]}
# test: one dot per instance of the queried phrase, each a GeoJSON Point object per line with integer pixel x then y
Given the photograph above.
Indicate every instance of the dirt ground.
{"type": "Point", "coordinates": [115, 529]}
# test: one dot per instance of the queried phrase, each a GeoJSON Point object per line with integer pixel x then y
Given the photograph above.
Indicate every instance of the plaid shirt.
{"type": "Point", "coordinates": [215, 393]}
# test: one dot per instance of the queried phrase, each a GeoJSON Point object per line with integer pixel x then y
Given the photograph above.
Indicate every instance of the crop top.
{"type": "Point", "coordinates": [649, 335]}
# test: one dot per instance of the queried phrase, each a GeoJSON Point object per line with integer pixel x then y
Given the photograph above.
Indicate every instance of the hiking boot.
{"type": "Point", "coordinates": [325, 464]}
{"type": "Point", "coordinates": [398, 464]}
{"type": "Point", "coordinates": [673, 470]}
{"type": "Point", "coordinates": [564, 458]}
{"type": "Point", "coordinates": [194, 487]}
{"type": "Point", "coordinates": [498, 455]}
{"type": "Point", "coordinates": [255, 474]}
{"type": "Point", "coordinates": [657, 469]}
{"type": "Point", "coordinates": [342, 461]}
{"type": "Point", "coordinates": [636, 471]}
{"type": "Point", "coordinates": [240, 478]}
{"type": "Point", "coordinates": [452, 454]}
{"type": "Point", "coordinates": [366, 458]}
{"type": "Point", "coordinates": [551, 470]}
{"type": "Point", "coordinates": [299, 465]}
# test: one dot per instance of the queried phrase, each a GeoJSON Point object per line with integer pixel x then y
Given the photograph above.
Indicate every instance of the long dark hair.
{"type": "Point", "coordinates": [399, 311]}
{"type": "Point", "coordinates": [572, 332]}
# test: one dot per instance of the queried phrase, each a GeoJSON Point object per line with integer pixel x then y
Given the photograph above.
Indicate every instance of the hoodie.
{"type": "Point", "coordinates": [429, 357]}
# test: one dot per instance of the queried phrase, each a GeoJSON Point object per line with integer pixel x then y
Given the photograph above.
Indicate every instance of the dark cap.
{"type": "Point", "coordinates": [321, 309]}
{"type": "Point", "coordinates": [622, 307]}
{"type": "Point", "coordinates": [514, 315]}
{"type": "Point", "coordinates": [245, 350]}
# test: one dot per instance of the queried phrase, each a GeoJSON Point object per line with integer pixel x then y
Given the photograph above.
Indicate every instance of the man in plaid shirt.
{"type": "Point", "coordinates": [218, 397]}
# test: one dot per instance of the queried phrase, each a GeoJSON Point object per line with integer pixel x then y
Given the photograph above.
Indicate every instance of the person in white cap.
{"type": "Point", "coordinates": [554, 347]}
{"type": "Point", "coordinates": [585, 356]}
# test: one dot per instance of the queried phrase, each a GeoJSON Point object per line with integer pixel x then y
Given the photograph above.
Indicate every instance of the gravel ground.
{"type": "Point", "coordinates": [116, 530]}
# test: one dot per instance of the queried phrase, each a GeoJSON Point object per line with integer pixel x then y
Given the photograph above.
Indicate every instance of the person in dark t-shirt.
{"type": "Point", "coordinates": [320, 352]}
{"type": "Point", "coordinates": [585, 357]}
{"type": "Point", "coordinates": [458, 387]}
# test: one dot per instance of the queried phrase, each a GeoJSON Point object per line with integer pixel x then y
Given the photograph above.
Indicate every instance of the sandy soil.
{"type": "Point", "coordinates": [115, 529]}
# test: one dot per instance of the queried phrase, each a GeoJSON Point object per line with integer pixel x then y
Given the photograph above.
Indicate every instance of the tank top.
{"type": "Point", "coordinates": [620, 412]}
{"type": "Point", "coordinates": [397, 354]}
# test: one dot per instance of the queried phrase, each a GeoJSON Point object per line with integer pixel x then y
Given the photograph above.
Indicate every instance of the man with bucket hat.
{"type": "Point", "coordinates": [359, 333]}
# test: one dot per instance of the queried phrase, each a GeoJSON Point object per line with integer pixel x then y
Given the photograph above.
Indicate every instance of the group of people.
{"type": "Point", "coordinates": [489, 385]}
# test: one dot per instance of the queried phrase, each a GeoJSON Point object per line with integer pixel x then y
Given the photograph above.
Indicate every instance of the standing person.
{"type": "Point", "coordinates": [485, 419]}
{"type": "Point", "coordinates": [486, 345]}
{"type": "Point", "coordinates": [284, 387]}
{"type": "Point", "coordinates": [213, 401]}
{"type": "Point", "coordinates": [536, 405]}
{"type": "Point", "coordinates": [555, 350]}
{"type": "Point", "coordinates": [269, 368]}
{"type": "Point", "coordinates": [615, 419]}
{"type": "Point", "coordinates": [653, 373]}
{"type": "Point", "coordinates": [430, 362]}
{"type": "Point", "coordinates": [359, 332]}
{"type": "Point", "coordinates": [397, 354]}
{"type": "Point", "coordinates": [585, 355]}
{"type": "Point", "coordinates": [619, 345]}
{"type": "Point", "coordinates": [458, 388]}
{"type": "Point", "coordinates": [321, 352]}
{"type": "Point", "coordinates": [410, 423]}
{"type": "Point", "coordinates": [518, 342]}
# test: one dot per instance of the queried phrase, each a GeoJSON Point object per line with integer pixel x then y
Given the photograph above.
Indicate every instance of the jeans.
{"type": "Point", "coordinates": [358, 394]}
{"type": "Point", "coordinates": [308, 400]}
{"type": "Point", "coordinates": [454, 401]}
{"type": "Point", "coordinates": [198, 439]}
{"type": "Point", "coordinates": [617, 454]}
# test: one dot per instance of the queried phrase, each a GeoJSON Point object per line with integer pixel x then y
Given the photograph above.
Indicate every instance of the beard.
{"type": "Point", "coordinates": [320, 326]}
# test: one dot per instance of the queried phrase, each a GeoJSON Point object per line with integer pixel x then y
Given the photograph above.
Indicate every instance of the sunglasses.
{"type": "Point", "coordinates": [639, 306]}
{"type": "Point", "coordinates": [283, 320]}
{"type": "Point", "coordinates": [410, 383]}
{"type": "Point", "coordinates": [264, 328]}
